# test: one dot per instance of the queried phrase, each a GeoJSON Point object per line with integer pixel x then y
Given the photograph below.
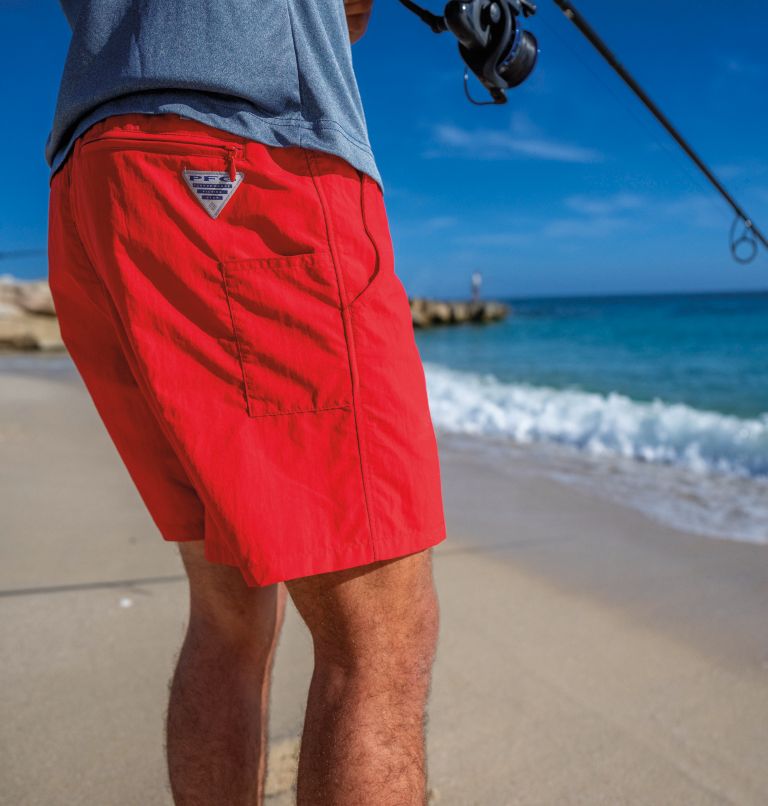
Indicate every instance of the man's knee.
{"type": "Point", "coordinates": [380, 619]}
{"type": "Point", "coordinates": [223, 609]}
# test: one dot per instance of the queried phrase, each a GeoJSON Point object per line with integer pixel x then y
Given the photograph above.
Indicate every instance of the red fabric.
{"type": "Point", "coordinates": [257, 371]}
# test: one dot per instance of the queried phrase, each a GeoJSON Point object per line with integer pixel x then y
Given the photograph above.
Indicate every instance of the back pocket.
{"type": "Point", "coordinates": [288, 325]}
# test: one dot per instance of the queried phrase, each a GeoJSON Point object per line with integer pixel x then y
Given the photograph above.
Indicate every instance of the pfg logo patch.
{"type": "Point", "coordinates": [213, 189]}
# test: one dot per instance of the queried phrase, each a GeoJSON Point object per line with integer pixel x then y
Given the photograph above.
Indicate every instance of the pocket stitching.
{"type": "Point", "coordinates": [377, 271]}
{"type": "Point", "coordinates": [121, 146]}
{"type": "Point", "coordinates": [313, 157]}
{"type": "Point", "coordinates": [277, 261]}
{"type": "Point", "coordinates": [230, 308]}
{"type": "Point", "coordinates": [122, 136]}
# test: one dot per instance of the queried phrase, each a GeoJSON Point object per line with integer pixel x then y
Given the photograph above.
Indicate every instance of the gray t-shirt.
{"type": "Point", "coordinates": [276, 71]}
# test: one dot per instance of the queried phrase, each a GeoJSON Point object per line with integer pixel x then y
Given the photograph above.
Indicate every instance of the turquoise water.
{"type": "Point", "coordinates": [707, 351]}
{"type": "Point", "coordinates": [663, 400]}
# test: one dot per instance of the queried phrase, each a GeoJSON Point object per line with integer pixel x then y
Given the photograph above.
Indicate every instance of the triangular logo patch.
{"type": "Point", "coordinates": [213, 189]}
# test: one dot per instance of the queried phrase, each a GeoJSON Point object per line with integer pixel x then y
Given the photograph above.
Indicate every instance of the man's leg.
{"type": "Point", "coordinates": [375, 632]}
{"type": "Point", "coordinates": [218, 709]}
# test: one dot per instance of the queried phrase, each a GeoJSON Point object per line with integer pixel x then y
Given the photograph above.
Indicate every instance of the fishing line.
{"type": "Point", "coordinates": [496, 48]}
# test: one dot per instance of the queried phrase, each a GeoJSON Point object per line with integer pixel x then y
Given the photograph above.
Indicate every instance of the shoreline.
{"type": "Point", "coordinates": [713, 506]}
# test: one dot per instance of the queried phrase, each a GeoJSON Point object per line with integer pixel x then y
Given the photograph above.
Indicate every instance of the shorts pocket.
{"type": "Point", "coordinates": [376, 228]}
{"type": "Point", "coordinates": [356, 219]}
{"type": "Point", "coordinates": [288, 325]}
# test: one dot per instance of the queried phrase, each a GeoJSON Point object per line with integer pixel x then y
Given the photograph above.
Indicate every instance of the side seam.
{"type": "Point", "coordinates": [346, 315]}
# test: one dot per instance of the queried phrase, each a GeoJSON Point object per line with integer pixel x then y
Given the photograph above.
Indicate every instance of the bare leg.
{"type": "Point", "coordinates": [375, 632]}
{"type": "Point", "coordinates": [218, 709]}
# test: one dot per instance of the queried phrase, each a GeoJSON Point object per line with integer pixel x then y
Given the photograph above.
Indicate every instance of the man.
{"type": "Point", "coordinates": [223, 273]}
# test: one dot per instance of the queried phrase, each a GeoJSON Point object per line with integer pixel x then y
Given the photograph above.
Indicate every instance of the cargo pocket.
{"type": "Point", "coordinates": [288, 326]}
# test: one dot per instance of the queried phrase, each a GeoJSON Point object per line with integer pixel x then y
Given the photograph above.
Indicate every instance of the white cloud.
{"type": "Point", "coordinates": [584, 217]}
{"type": "Point", "coordinates": [587, 227]}
{"type": "Point", "coordinates": [729, 170]}
{"type": "Point", "coordinates": [740, 67]}
{"type": "Point", "coordinates": [521, 139]}
{"type": "Point", "coordinates": [501, 238]}
{"type": "Point", "coordinates": [697, 209]}
{"type": "Point", "coordinates": [690, 209]}
{"type": "Point", "coordinates": [604, 205]}
{"type": "Point", "coordinates": [438, 222]}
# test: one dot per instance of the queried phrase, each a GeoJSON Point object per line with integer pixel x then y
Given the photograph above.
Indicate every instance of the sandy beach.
{"type": "Point", "coordinates": [587, 655]}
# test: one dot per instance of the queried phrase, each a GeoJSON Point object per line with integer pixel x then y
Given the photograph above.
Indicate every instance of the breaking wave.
{"type": "Point", "coordinates": [611, 425]}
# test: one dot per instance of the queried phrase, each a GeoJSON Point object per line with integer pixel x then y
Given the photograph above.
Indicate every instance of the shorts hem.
{"type": "Point", "coordinates": [186, 533]}
{"type": "Point", "coordinates": [389, 548]}
{"type": "Point", "coordinates": [302, 565]}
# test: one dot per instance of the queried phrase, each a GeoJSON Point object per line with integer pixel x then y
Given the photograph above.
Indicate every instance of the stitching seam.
{"type": "Point", "coordinates": [350, 348]}
{"type": "Point", "coordinates": [237, 340]}
{"type": "Point", "coordinates": [302, 411]}
{"type": "Point", "coordinates": [376, 271]}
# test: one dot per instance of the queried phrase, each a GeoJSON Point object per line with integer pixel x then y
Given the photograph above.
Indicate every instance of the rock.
{"type": "Point", "coordinates": [8, 309]}
{"type": "Point", "coordinates": [419, 318]}
{"type": "Point", "coordinates": [30, 332]}
{"type": "Point", "coordinates": [426, 312]}
{"type": "Point", "coordinates": [32, 296]}
{"type": "Point", "coordinates": [417, 304]}
{"type": "Point", "coordinates": [27, 316]}
{"type": "Point", "coordinates": [23, 331]}
{"type": "Point", "coordinates": [35, 297]}
{"type": "Point", "coordinates": [493, 311]}
{"type": "Point", "coordinates": [461, 311]}
{"type": "Point", "coordinates": [440, 312]}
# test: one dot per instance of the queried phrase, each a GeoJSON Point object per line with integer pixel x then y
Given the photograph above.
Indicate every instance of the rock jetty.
{"type": "Point", "coordinates": [429, 312]}
{"type": "Point", "coordinates": [28, 317]}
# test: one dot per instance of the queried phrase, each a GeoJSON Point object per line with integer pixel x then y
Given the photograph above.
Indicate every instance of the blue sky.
{"type": "Point", "coordinates": [569, 188]}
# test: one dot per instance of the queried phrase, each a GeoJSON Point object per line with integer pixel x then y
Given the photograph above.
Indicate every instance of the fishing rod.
{"type": "Point", "coordinates": [502, 55]}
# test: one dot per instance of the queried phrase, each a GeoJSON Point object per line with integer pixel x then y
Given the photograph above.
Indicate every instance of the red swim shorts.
{"type": "Point", "coordinates": [234, 313]}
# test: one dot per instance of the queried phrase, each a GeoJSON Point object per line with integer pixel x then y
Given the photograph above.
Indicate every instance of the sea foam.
{"type": "Point", "coordinates": [611, 425]}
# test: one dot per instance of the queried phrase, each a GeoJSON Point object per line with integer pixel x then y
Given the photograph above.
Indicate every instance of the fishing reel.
{"type": "Point", "coordinates": [492, 42]}
{"type": "Point", "coordinates": [502, 55]}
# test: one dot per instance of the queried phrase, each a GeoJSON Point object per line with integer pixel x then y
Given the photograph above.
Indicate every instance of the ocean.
{"type": "Point", "coordinates": [660, 402]}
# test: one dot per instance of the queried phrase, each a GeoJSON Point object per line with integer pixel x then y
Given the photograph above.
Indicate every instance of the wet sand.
{"type": "Point", "coordinates": [587, 655]}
